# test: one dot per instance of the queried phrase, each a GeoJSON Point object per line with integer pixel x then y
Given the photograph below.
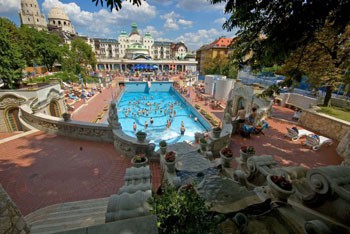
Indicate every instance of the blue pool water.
{"type": "Point", "coordinates": [154, 102]}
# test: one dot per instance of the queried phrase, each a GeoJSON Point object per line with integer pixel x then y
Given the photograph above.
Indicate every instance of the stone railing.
{"type": "Point", "coordinates": [130, 146]}
{"type": "Point", "coordinates": [75, 129]}
{"type": "Point", "coordinates": [324, 125]}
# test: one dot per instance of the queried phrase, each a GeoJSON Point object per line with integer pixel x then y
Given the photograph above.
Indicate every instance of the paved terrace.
{"type": "Point", "coordinates": [39, 169]}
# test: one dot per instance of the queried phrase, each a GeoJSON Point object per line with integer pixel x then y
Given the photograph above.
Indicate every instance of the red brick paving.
{"type": "Point", "coordinates": [41, 169]}
{"type": "Point", "coordinates": [45, 169]}
{"type": "Point", "coordinates": [286, 151]}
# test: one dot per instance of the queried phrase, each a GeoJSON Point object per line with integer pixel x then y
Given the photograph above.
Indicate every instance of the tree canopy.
{"type": "Point", "coordinates": [11, 60]}
{"type": "Point", "coordinates": [116, 4]}
{"type": "Point", "coordinates": [271, 30]}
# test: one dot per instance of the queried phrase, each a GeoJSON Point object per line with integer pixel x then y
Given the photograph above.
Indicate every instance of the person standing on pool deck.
{"type": "Point", "coordinates": [134, 126]}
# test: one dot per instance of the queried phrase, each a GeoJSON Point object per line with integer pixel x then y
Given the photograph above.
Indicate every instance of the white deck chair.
{"type": "Point", "coordinates": [294, 135]}
{"type": "Point", "coordinates": [315, 143]}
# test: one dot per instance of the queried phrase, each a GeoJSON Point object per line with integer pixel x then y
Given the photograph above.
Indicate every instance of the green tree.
{"type": "Point", "coordinates": [83, 53]}
{"type": "Point", "coordinates": [78, 58]}
{"type": "Point", "coordinates": [269, 31]}
{"type": "Point", "coordinates": [11, 61]}
{"type": "Point", "coordinates": [48, 47]}
{"type": "Point", "coordinates": [324, 60]}
{"type": "Point", "coordinates": [222, 65]}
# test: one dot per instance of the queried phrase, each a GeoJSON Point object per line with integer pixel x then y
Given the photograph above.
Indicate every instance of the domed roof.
{"type": "Point", "coordinates": [57, 13]}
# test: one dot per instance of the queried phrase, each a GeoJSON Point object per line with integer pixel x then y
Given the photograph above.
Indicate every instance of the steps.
{"type": "Point", "coordinates": [67, 216]}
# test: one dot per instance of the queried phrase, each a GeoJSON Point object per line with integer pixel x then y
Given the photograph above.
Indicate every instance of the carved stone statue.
{"type": "Point", "coordinates": [228, 112]}
{"type": "Point", "coordinates": [113, 119]}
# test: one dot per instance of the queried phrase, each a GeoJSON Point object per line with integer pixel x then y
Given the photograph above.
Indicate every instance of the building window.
{"type": "Point", "coordinates": [31, 5]}
{"type": "Point", "coordinates": [64, 23]}
{"type": "Point", "coordinates": [54, 22]}
{"type": "Point", "coordinates": [28, 19]}
{"type": "Point", "coordinates": [37, 20]}
{"type": "Point", "coordinates": [59, 22]}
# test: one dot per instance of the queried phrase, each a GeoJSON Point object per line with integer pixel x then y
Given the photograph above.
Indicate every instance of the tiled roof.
{"type": "Point", "coordinates": [221, 42]}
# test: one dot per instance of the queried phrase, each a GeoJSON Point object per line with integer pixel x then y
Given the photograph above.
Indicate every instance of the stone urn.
{"type": "Point", "coordinates": [141, 136]}
{"type": "Point", "coordinates": [246, 152]}
{"type": "Point", "coordinates": [66, 116]}
{"type": "Point", "coordinates": [203, 144]}
{"type": "Point", "coordinates": [216, 132]}
{"type": "Point", "coordinates": [226, 156]}
{"type": "Point", "coordinates": [163, 146]}
{"type": "Point", "coordinates": [139, 161]}
{"type": "Point", "coordinates": [279, 187]}
{"type": "Point", "coordinates": [169, 161]}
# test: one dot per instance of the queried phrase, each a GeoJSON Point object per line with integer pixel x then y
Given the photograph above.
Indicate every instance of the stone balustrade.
{"type": "Point", "coordinates": [75, 129]}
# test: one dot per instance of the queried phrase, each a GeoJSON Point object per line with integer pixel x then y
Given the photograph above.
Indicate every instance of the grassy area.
{"type": "Point", "coordinates": [336, 112]}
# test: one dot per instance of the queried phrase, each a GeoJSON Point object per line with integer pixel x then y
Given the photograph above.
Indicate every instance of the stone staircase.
{"type": "Point", "coordinates": [67, 216]}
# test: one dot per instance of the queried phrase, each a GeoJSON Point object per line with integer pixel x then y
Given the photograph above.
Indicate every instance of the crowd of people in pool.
{"type": "Point", "coordinates": [144, 106]}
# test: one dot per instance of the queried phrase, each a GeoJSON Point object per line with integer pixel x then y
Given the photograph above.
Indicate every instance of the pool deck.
{"type": "Point", "coordinates": [40, 169]}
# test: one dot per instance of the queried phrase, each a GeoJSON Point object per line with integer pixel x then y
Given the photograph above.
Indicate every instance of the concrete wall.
{"type": "Point", "coordinates": [209, 83]}
{"type": "Point", "coordinates": [11, 219]}
{"type": "Point", "coordinates": [340, 103]}
{"type": "Point", "coordinates": [325, 125]}
{"type": "Point", "coordinates": [297, 100]}
{"type": "Point", "coordinates": [223, 88]}
{"type": "Point", "coordinates": [143, 87]}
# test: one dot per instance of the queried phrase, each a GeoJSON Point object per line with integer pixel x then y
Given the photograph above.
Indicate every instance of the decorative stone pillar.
{"type": "Point", "coordinates": [113, 119]}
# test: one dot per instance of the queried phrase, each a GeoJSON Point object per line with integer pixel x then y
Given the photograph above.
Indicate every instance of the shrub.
{"type": "Point", "coordinates": [182, 211]}
{"type": "Point", "coordinates": [282, 182]}
{"type": "Point", "coordinates": [227, 152]}
{"type": "Point", "coordinates": [248, 149]}
{"type": "Point", "coordinates": [203, 141]}
{"type": "Point", "coordinates": [170, 156]}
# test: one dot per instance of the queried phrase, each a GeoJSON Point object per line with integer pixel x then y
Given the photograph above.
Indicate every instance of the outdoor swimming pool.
{"type": "Point", "coordinates": [158, 105]}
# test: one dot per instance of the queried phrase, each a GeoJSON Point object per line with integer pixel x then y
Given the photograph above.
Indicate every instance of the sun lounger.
{"type": "Point", "coordinates": [296, 135]}
{"type": "Point", "coordinates": [316, 142]}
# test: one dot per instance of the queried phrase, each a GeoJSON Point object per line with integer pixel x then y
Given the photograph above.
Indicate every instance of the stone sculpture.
{"type": "Point", "coordinates": [113, 119]}
{"type": "Point", "coordinates": [228, 112]}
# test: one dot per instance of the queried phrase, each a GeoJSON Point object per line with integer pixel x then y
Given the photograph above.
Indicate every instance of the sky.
{"type": "Point", "coordinates": [194, 22]}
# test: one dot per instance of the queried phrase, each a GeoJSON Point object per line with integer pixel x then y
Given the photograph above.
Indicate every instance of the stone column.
{"type": "Point", "coordinates": [104, 66]}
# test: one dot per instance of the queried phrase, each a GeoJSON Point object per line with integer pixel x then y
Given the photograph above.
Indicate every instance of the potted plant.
{"type": "Point", "coordinates": [217, 131]}
{"type": "Point", "coordinates": [139, 160]}
{"type": "Point", "coordinates": [163, 146]}
{"type": "Point", "coordinates": [170, 158]}
{"type": "Point", "coordinates": [141, 136]}
{"type": "Point", "coordinates": [280, 187]}
{"type": "Point", "coordinates": [66, 116]}
{"type": "Point", "coordinates": [203, 144]}
{"type": "Point", "coordinates": [226, 156]}
{"type": "Point", "coordinates": [246, 152]}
